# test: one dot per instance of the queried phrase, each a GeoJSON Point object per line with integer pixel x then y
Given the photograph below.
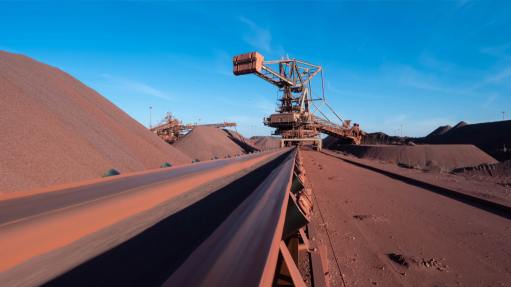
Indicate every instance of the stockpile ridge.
{"type": "Point", "coordinates": [434, 157]}
{"type": "Point", "coordinates": [267, 143]}
{"type": "Point", "coordinates": [56, 130]}
{"type": "Point", "coordinates": [204, 143]}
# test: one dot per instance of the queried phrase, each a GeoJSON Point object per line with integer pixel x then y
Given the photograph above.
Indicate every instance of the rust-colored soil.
{"type": "Point", "coordinates": [205, 143]}
{"type": "Point", "coordinates": [55, 130]}
{"type": "Point", "coordinates": [381, 231]}
{"type": "Point", "coordinates": [436, 157]}
{"type": "Point", "coordinates": [498, 172]}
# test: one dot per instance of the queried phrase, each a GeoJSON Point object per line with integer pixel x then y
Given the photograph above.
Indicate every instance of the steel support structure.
{"type": "Point", "coordinates": [294, 118]}
{"type": "Point", "coordinates": [170, 129]}
{"type": "Point", "coordinates": [318, 142]}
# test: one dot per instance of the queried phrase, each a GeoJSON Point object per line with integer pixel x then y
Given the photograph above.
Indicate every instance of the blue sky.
{"type": "Point", "coordinates": [419, 64]}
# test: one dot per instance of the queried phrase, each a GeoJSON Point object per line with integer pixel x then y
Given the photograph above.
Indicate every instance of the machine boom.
{"type": "Point", "coordinates": [294, 121]}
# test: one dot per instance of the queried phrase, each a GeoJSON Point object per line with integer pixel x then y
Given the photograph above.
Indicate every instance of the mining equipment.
{"type": "Point", "coordinates": [170, 129]}
{"type": "Point", "coordinates": [294, 121]}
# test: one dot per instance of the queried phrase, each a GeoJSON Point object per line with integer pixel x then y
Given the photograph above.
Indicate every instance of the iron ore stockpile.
{"type": "Point", "coordinates": [493, 135]}
{"type": "Point", "coordinates": [55, 130]}
{"type": "Point", "coordinates": [430, 157]}
{"type": "Point", "coordinates": [204, 143]}
{"type": "Point", "coordinates": [267, 142]}
{"type": "Point", "coordinates": [499, 172]}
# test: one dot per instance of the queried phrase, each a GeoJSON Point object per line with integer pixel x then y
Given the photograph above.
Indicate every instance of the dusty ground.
{"type": "Point", "coordinates": [500, 193]}
{"type": "Point", "coordinates": [385, 232]}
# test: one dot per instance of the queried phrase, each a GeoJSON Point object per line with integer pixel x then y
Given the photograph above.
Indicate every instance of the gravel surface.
{"type": "Point", "coordinates": [205, 143]}
{"type": "Point", "coordinates": [499, 173]}
{"type": "Point", "coordinates": [384, 232]}
{"type": "Point", "coordinates": [487, 189]}
{"type": "Point", "coordinates": [56, 130]}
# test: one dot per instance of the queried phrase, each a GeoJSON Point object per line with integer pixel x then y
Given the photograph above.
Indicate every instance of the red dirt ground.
{"type": "Point", "coordinates": [205, 143]}
{"type": "Point", "coordinates": [56, 130]}
{"type": "Point", "coordinates": [385, 232]}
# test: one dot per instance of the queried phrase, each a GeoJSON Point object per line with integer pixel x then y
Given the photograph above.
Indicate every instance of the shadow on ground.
{"type": "Point", "coordinates": [467, 199]}
{"type": "Point", "coordinates": [149, 258]}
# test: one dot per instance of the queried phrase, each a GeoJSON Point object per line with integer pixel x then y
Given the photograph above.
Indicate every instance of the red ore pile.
{"type": "Point", "coordinates": [439, 131]}
{"type": "Point", "coordinates": [498, 172]}
{"type": "Point", "coordinates": [492, 135]}
{"type": "Point", "coordinates": [267, 143]}
{"type": "Point", "coordinates": [56, 130]}
{"type": "Point", "coordinates": [429, 157]}
{"type": "Point", "coordinates": [204, 143]}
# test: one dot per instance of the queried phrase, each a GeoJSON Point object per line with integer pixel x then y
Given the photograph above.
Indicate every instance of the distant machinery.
{"type": "Point", "coordinates": [171, 129]}
{"type": "Point", "coordinates": [294, 121]}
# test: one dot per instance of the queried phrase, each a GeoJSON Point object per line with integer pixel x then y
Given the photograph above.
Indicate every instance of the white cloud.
{"type": "Point", "coordinates": [490, 100]}
{"type": "Point", "coordinates": [396, 119]}
{"type": "Point", "coordinates": [330, 88]}
{"type": "Point", "coordinates": [430, 60]}
{"type": "Point", "coordinates": [499, 51]}
{"type": "Point", "coordinates": [259, 38]}
{"type": "Point", "coordinates": [136, 86]}
{"type": "Point", "coordinates": [362, 45]}
{"type": "Point", "coordinates": [493, 78]}
{"type": "Point", "coordinates": [411, 77]}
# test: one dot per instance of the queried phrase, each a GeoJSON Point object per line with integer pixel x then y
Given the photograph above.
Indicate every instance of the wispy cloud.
{"type": "Point", "coordinates": [429, 60]}
{"type": "Point", "coordinates": [330, 88]}
{"type": "Point", "coordinates": [499, 51]}
{"type": "Point", "coordinates": [496, 77]}
{"type": "Point", "coordinates": [259, 38]}
{"type": "Point", "coordinates": [399, 118]}
{"type": "Point", "coordinates": [414, 78]}
{"type": "Point", "coordinates": [360, 48]}
{"type": "Point", "coordinates": [490, 100]}
{"type": "Point", "coordinates": [136, 86]}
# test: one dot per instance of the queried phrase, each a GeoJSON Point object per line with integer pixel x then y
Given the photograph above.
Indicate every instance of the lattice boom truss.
{"type": "Point", "coordinates": [294, 119]}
